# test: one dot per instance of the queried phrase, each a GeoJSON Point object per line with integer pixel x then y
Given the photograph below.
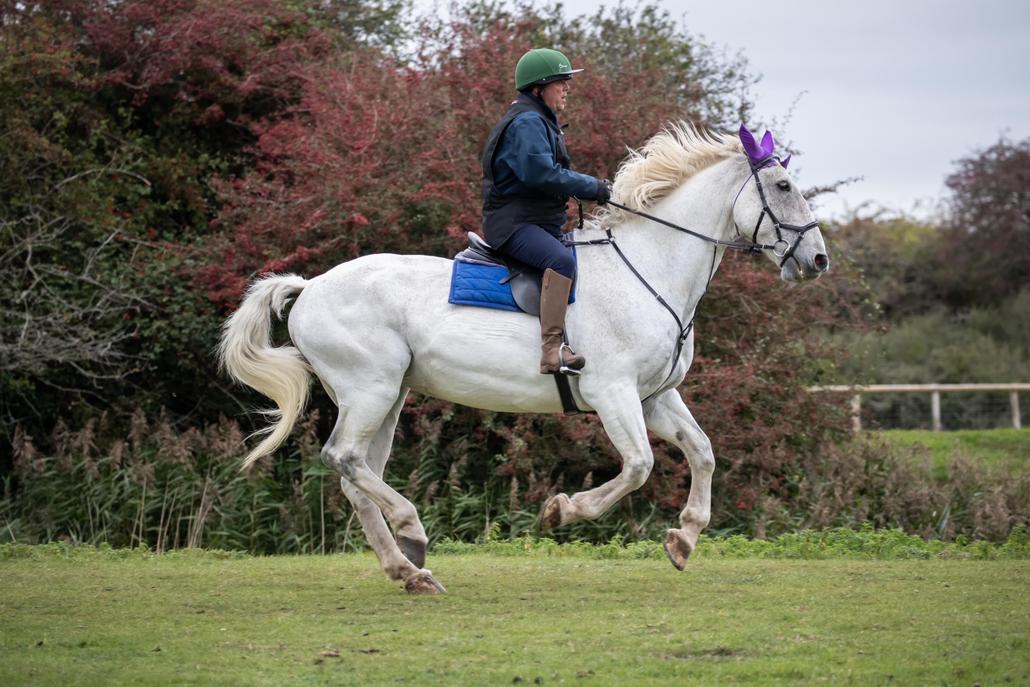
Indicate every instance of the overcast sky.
{"type": "Point", "coordinates": [893, 91]}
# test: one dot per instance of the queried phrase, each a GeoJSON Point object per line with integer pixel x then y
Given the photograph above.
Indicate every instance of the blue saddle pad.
{"type": "Point", "coordinates": [474, 283]}
{"type": "Point", "coordinates": [486, 286]}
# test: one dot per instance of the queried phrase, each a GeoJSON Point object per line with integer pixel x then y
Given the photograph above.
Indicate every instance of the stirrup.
{"type": "Point", "coordinates": [562, 367]}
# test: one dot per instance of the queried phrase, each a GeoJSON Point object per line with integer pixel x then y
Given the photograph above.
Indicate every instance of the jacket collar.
{"type": "Point", "coordinates": [539, 106]}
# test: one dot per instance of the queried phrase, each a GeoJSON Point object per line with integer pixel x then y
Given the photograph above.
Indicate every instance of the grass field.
{"type": "Point", "coordinates": [1007, 449]}
{"type": "Point", "coordinates": [196, 618]}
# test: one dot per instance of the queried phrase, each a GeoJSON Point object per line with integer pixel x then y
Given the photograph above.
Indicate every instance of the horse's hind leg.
{"type": "Point", "coordinates": [668, 417]}
{"type": "Point", "coordinates": [412, 543]}
{"type": "Point", "coordinates": [364, 432]}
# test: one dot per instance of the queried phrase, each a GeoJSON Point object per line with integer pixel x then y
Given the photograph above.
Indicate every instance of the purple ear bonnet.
{"type": "Point", "coordinates": [767, 143]}
{"type": "Point", "coordinates": [757, 152]}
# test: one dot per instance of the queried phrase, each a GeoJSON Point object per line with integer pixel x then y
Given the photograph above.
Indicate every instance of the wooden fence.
{"type": "Point", "coordinates": [935, 391]}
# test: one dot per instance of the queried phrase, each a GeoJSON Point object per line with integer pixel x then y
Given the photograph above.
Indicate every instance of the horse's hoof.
{"type": "Point", "coordinates": [551, 516]}
{"type": "Point", "coordinates": [413, 549]}
{"type": "Point", "coordinates": [423, 582]}
{"type": "Point", "coordinates": [678, 549]}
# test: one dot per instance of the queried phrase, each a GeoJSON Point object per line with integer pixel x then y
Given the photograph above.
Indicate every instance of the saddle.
{"type": "Point", "coordinates": [484, 277]}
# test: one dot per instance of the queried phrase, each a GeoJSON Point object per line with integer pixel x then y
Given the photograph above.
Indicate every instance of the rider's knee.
{"type": "Point", "coordinates": [564, 264]}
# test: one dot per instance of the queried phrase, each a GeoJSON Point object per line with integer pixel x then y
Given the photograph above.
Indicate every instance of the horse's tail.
{"type": "Point", "coordinates": [247, 355]}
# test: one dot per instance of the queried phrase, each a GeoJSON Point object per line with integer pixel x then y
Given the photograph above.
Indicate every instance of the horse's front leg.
{"type": "Point", "coordinates": [668, 417]}
{"type": "Point", "coordinates": [623, 420]}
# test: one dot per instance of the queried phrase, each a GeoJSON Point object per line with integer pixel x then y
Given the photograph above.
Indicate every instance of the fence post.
{"type": "Point", "coordinates": [935, 391]}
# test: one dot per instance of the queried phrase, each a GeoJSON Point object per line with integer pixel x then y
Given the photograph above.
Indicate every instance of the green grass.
{"type": "Point", "coordinates": [1007, 449]}
{"type": "Point", "coordinates": [98, 617]}
{"type": "Point", "coordinates": [838, 543]}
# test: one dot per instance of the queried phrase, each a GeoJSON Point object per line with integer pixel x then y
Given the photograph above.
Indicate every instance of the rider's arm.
{"type": "Point", "coordinates": [533, 162]}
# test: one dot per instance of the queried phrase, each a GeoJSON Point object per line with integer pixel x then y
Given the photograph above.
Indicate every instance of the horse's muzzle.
{"type": "Point", "coordinates": [798, 269]}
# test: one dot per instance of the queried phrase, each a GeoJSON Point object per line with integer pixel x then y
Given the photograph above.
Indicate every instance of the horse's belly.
{"type": "Point", "coordinates": [365, 317]}
{"type": "Point", "coordinates": [482, 358]}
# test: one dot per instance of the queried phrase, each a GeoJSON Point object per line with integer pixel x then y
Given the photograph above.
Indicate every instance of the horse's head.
{"type": "Point", "coordinates": [769, 209]}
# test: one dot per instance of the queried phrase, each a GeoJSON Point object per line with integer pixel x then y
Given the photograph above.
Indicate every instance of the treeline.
{"type": "Point", "coordinates": [947, 299]}
{"type": "Point", "coordinates": [157, 155]}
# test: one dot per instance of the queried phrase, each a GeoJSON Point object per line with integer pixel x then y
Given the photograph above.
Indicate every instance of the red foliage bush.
{"type": "Point", "coordinates": [346, 171]}
{"type": "Point", "coordinates": [379, 156]}
{"type": "Point", "coordinates": [211, 59]}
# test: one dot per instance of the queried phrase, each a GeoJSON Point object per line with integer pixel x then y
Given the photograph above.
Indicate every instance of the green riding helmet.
{"type": "Point", "coordinates": [542, 66]}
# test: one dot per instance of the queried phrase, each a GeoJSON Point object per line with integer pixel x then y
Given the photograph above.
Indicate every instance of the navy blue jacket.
{"type": "Point", "coordinates": [527, 175]}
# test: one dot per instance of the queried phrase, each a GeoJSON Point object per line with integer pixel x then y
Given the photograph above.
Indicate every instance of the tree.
{"type": "Point", "coordinates": [114, 118]}
{"type": "Point", "coordinates": [985, 256]}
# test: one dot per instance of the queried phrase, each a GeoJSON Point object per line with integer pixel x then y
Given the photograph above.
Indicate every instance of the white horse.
{"type": "Point", "coordinates": [378, 326]}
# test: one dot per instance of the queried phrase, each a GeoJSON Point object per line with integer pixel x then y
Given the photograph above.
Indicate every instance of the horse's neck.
{"type": "Point", "coordinates": [676, 265]}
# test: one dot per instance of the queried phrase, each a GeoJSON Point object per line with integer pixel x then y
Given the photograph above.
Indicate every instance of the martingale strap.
{"type": "Point", "coordinates": [684, 331]}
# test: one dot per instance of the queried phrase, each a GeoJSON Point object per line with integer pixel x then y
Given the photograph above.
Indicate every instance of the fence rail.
{"type": "Point", "coordinates": [935, 391]}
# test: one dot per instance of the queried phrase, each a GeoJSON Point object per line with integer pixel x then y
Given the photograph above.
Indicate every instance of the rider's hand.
{"type": "Point", "coordinates": [604, 191]}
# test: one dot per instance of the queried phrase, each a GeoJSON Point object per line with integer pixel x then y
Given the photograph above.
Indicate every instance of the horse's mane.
{"type": "Point", "coordinates": [663, 163]}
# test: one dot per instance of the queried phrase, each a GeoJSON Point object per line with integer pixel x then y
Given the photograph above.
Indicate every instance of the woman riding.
{"type": "Point", "coordinates": [527, 181]}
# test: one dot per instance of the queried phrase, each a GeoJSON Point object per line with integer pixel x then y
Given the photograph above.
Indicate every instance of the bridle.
{"type": "Point", "coordinates": [788, 248]}
{"type": "Point", "coordinates": [746, 246]}
{"type": "Point", "coordinates": [784, 254]}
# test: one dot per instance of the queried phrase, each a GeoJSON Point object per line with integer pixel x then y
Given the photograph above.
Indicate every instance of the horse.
{"type": "Point", "coordinates": [376, 327]}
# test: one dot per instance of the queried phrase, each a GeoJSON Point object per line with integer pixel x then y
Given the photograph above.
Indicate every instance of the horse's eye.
{"type": "Point", "coordinates": [783, 185]}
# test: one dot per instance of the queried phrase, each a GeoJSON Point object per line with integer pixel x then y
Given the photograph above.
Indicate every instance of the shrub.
{"type": "Point", "coordinates": [986, 344]}
{"type": "Point", "coordinates": [163, 488]}
{"type": "Point", "coordinates": [872, 481]}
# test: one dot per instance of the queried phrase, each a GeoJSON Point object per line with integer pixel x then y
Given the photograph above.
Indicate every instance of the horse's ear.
{"type": "Point", "coordinates": [754, 152]}
{"type": "Point", "coordinates": [767, 144]}
{"type": "Point", "coordinates": [785, 161]}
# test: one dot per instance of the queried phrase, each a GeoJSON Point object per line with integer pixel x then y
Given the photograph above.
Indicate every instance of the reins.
{"type": "Point", "coordinates": [745, 246]}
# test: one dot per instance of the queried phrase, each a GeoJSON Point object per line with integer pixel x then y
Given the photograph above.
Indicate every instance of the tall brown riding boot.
{"type": "Point", "coordinates": [554, 299]}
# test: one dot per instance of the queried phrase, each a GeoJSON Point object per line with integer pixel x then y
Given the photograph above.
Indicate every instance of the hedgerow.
{"type": "Point", "coordinates": [166, 489]}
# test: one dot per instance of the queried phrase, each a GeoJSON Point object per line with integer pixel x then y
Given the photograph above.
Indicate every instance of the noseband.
{"type": "Point", "coordinates": [788, 248]}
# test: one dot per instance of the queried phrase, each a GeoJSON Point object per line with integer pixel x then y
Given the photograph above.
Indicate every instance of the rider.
{"type": "Point", "coordinates": [527, 181]}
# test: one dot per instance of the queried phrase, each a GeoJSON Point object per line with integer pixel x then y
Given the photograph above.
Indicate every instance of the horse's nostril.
{"type": "Point", "coordinates": [822, 263]}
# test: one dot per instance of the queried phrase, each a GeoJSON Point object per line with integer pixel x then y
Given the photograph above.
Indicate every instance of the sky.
{"type": "Point", "coordinates": [893, 91]}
